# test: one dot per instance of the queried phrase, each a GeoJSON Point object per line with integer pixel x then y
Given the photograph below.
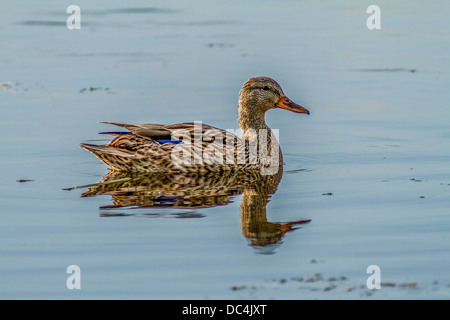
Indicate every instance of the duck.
{"type": "Point", "coordinates": [192, 147]}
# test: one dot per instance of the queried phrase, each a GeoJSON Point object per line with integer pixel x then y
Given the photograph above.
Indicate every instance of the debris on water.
{"type": "Point", "coordinates": [409, 285]}
{"type": "Point", "coordinates": [220, 45]}
{"type": "Point", "coordinates": [331, 287]}
{"type": "Point", "coordinates": [332, 279]}
{"type": "Point", "coordinates": [388, 284]}
{"type": "Point", "coordinates": [24, 180]}
{"type": "Point", "coordinates": [318, 282]}
{"type": "Point", "coordinates": [91, 89]}
{"type": "Point", "coordinates": [388, 70]}
{"type": "Point", "coordinates": [237, 288]}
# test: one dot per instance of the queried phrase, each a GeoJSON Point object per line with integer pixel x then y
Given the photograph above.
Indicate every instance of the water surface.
{"type": "Point", "coordinates": [369, 167]}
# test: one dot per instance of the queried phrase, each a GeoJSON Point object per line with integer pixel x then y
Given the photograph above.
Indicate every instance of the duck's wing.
{"type": "Point", "coordinates": [148, 147]}
{"type": "Point", "coordinates": [149, 130]}
{"type": "Point", "coordinates": [196, 131]}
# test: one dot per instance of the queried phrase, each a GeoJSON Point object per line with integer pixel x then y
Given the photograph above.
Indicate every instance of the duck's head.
{"type": "Point", "coordinates": [258, 95]}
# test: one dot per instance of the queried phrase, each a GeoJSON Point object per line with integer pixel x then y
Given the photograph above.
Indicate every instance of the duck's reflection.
{"type": "Point", "coordinates": [195, 191]}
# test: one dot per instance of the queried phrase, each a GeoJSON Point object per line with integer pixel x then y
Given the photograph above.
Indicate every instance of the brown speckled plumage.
{"type": "Point", "coordinates": [139, 151]}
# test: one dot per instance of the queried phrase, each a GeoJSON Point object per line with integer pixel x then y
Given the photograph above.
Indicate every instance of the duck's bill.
{"type": "Point", "coordinates": [286, 103]}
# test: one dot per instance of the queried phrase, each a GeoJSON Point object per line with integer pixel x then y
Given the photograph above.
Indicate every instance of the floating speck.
{"type": "Point", "coordinates": [408, 285]}
{"type": "Point", "coordinates": [24, 180]}
{"type": "Point", "coordinates": [332, 279]}
{"type": "Point", "coordinates": [388, 284]}
{"type": "Point", "coordinates": [236, 288]}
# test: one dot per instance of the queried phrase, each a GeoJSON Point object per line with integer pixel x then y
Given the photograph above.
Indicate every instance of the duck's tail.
{"type": "Point", "coordinates": [113, 158]}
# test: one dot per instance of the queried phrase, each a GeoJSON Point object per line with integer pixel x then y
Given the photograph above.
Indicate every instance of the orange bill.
{"type": "Point", "coordinates": [286, 103]}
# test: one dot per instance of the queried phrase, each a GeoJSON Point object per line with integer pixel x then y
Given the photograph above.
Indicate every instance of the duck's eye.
{"type": "Point", "coordinates": [265, 88]}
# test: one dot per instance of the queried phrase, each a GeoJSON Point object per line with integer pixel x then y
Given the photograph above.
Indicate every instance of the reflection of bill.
{"type": "Point", "coordinates": [257, 147]}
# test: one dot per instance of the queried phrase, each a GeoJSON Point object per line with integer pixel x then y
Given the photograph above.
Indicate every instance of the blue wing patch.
{"type": "Point", "coordinates": [169, 141]}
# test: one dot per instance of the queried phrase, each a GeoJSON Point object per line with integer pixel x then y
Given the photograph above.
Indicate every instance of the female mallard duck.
{"type": "Point", "coordinates": [197, 147]}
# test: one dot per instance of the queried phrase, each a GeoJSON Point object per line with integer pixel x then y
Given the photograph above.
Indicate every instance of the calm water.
{"type": "Point", "coordinates": [370, 167]}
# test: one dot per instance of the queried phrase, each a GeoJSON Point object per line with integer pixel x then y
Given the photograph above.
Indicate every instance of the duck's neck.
{"type": "Point", "coordinates": [251, 120]}
{"type": "Point", "coordinates": [255, 128]}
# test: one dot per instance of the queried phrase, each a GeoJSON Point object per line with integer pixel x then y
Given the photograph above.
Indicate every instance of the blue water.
{"type": "Point", "coordinates": [369, 167]}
